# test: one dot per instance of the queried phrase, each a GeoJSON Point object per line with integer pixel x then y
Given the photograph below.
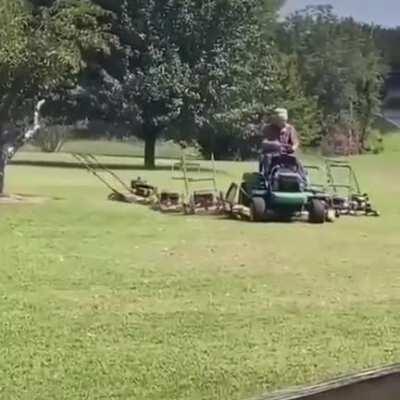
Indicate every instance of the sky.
{"type": "Point", "coordinates": [380, 12]}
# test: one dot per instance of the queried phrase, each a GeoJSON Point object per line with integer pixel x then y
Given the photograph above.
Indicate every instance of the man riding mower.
{"type": "Point", "coordinates": [281, 189]}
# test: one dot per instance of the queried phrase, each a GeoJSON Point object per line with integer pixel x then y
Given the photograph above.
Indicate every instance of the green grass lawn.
{"type": "Point", "coordinates": [101, 300]}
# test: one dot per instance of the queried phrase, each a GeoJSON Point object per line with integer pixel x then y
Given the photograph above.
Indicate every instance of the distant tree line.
{"type": "Point", "coordinates": [205, 71]}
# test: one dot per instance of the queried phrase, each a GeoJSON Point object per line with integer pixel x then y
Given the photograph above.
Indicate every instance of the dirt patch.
{"type": "Point", "coordinates": [22, 199]}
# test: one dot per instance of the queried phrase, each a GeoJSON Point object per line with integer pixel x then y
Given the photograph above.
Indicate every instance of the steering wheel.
{"type": "Point", "coordinates": [287, 149]}
{"type": "Point", "coordinates": [277, 147]}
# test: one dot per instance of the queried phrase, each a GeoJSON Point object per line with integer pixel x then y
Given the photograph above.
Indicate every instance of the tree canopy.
{"type": "Point", "coordinates": [179, 68]}
{"type": "Point", "coordinates": [187, 69]}
{"type": "Point", "coordinates": [41, 54]}
{"type": "Point", "coordinates": [338, 64]}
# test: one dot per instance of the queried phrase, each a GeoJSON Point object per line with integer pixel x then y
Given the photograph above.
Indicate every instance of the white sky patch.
{"type": "Point", "coordinates": [379, 12]}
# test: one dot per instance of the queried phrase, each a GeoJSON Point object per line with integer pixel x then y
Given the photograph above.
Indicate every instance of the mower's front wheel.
{"type": "Point", "coordinates": [257, 209]}
{"type": "Point", "coordinates": [331, 215]}
{"type": "Point", "coordinates": [317, 212]}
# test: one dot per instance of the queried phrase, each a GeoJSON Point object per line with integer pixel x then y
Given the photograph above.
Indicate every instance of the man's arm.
{"type": "Point", "coordinates": [294, 139]}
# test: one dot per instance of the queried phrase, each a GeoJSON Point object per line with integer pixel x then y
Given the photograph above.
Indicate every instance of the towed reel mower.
{"type": "Point", "coordinates": [140, 192]}
{"type": "Point", "coordinates": [348, 198]}
{"type": "Point", "coordinates": [194, 200]}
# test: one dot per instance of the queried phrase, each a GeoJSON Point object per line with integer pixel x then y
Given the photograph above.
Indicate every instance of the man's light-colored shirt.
{"type": "Point", "coordinates": [287, 135]}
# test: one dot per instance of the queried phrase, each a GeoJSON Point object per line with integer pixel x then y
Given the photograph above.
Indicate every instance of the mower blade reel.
{"type": "Point", "coordinates": [169, 202]}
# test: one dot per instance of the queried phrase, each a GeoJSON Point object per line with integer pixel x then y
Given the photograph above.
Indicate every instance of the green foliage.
{"type": "Point", "coordinates": [375, 143]}
{"type": "Point", "coordinates": [247, 83]}
{"type": "Point", "coordinates": [369, 87]}
{"type": "Point", "coordinates": [186, 67]}
{"type": "Point", "coordinates": [52, 138]}
{"type": "Point", "coordinates": [13, 44]}
{"type": "Point", "coordinates": [305, 114]}
{"type": "Point", "coordinates": [387, 40]}
{"type": "Point", "coordinates": [339, 64]}
{"type": "Point", "coordinates": [41, 52]}
{"type": "Point", "coordinates": [14, 51]}
{"type": "Point", "coordinates": [72, 30]}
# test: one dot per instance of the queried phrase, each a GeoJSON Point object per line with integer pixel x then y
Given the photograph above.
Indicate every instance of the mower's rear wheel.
{"type": "Point", "coordinates": [257, 209]}
{"type": "Point", "coordinates": [317, 212]}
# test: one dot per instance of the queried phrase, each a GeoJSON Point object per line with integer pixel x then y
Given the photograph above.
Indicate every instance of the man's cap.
{"type": "Point", "coordinates": [281, 113]}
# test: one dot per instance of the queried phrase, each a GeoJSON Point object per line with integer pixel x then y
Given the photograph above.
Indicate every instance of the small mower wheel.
{"type": "Point", "coordinates": [331, 215]}
{"type": "Point", "coordinates": [317, 212]}
{"type": "Point", "coordinates": [257, 209]}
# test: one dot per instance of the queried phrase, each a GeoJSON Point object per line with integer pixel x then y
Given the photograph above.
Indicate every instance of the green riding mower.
{"type": "Point", "coordinates": [280, 191]}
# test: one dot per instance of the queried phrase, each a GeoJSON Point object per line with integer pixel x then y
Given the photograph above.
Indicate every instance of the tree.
{"type": "Point", "coordinates": [173, 69]}
{"type": "Point", "coordinates": [51, 138]}
{"type": "Point", "coordinates": [238, 82]}
{"type": "Point", "coordinates": [304, 111]}
{"type": "Point", "coordinates": [312, 36]}
{"type": "Point", "coordinates": [338, 63]}
{"type": "Point", "coordinates": [40, 53]}
{"type": "Point", "coordinates": [387, 41]}
{"type": "Point", "coordinates": [14, 71]}
{"type": "Point", "coordinates": [371, 86]}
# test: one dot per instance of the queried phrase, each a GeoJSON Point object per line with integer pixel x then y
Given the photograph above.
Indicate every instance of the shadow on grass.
{"type": "Point", "coordinates": [16, 199]}
{"type": "Point", "coordinates": [75, 165]}
{"type": "Point", "coordinates": [112, 166]}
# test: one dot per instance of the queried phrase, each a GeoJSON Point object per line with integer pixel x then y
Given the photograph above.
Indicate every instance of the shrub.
{"type": "Point", "coordinates": [51, 139]}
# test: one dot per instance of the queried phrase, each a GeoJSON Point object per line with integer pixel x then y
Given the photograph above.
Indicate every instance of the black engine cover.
{"type": "Point", "coordinates": [287, 181]}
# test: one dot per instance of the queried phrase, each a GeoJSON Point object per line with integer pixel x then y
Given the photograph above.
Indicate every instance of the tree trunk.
{"type": "Point", "coordinates": [13, 140]}
{"type": "Point", "coordinates": [150, 150]}
{"type": "Point", "coordinates": [2, 170]}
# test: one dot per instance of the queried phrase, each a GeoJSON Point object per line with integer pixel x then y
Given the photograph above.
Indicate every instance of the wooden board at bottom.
{"type": "Point", "coordinates": [377, 384]}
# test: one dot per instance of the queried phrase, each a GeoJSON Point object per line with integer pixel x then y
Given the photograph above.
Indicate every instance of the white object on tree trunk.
{"type": "Point", "coordinates": [11, 145]}
{"type": "Point", "coordinates": [29, 134]}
